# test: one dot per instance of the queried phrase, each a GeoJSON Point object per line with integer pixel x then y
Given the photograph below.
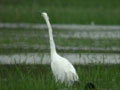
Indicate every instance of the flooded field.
{"type": "Point", "coordinates": [30, 40]}
{"type": "Point", "coordinates": [83, 58]}
{"type": "Point", "coordinates": [86, 32]}
{"type": "Point", "coordinates": [81, 31]}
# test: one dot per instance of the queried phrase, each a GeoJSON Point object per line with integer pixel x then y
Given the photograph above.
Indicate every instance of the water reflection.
{"type": "Point", "coordinates": [38, 58]}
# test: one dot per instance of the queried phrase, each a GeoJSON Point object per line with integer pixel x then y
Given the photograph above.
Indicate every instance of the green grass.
{"type": "Point", "coordinates": [61, 11]}
{"type": "Point", "coordinates": [40, 77]}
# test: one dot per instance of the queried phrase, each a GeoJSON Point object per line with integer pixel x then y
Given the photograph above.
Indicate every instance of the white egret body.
{"type": "Point", "coordinates": [62, 69]}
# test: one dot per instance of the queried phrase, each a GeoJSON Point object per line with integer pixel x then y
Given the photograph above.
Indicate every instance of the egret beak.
{"type": "Point", "coordinates": [39, 12]}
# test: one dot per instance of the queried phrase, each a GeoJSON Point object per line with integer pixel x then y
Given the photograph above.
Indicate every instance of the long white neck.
{"type": "Point", "coordinates": [52, 43]}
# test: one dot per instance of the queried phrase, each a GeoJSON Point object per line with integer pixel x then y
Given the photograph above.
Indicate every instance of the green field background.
{"type": "Point", "coordinates": [102, 12]}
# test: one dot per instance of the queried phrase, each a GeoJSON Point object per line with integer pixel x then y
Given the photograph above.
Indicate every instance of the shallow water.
{"type": "Point", "coordinates": [38, 58]}
{"type": "Point", "coordinates": [60, 26]}
{"type": "Point", "coordinates": [93, 34]}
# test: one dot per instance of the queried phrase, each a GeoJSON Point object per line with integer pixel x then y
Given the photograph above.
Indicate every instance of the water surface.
{"type": "Point", "coordinates": [83, 58]}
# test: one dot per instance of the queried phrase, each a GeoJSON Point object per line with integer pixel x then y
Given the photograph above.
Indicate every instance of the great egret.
{"type": "Point", "coordinates": [62, 69]}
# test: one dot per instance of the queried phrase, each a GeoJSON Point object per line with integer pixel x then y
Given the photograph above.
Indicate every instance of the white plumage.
{"type": "Point", "coordinates": [62, 69]}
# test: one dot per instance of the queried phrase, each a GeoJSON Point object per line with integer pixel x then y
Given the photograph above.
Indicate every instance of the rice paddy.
{"type": "Point", "coordinates": [25, 61]}
{"type": "Point", "coordinates": [24, 52]}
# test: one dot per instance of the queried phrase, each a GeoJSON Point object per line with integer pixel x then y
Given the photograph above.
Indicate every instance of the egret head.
{"type": "Point", "coordinates": [44, 14]}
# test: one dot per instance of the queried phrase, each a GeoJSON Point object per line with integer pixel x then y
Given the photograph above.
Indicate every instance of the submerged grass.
{"type": "Point", "coordinates": [25, 40]}
{"type": "Point", "coordinates": [40, 77]}
{"type": "Point", "coordinates": [21, 38]}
